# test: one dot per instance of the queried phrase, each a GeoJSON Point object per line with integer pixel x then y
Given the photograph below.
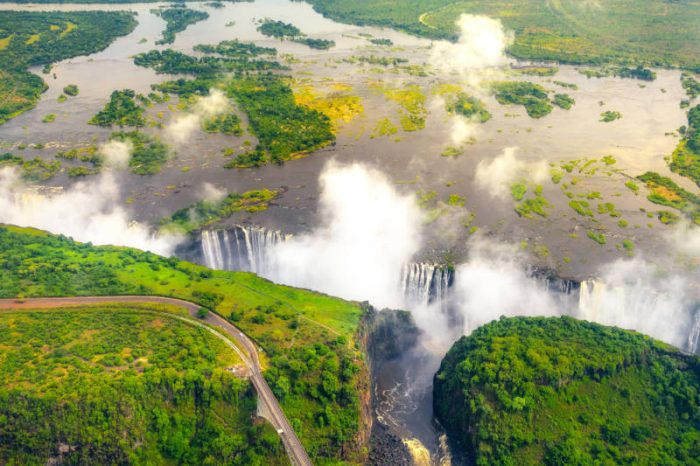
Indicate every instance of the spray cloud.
{"type": "Point", "coordinates": [497, 175]}
{"type": "Point", "coordinates": [368, 231]}
{"type": "Point", "coordinates": [480, 48]}
{"type": "Point", "coordinates": [182, 127]}
{"type": "Point", "coordinates": [86, 212]}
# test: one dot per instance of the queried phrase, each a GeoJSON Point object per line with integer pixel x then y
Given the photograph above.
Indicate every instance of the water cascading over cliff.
{"type": "Point", "coordinates": [240, 248]}
{"type": "Point", "coordinates": [659, 313]}
{"type": "Point", "coordinates": [424, 283]}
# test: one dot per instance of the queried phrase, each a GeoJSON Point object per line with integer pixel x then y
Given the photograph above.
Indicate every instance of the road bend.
{"type": "Point", "coordinates": [295, 450]}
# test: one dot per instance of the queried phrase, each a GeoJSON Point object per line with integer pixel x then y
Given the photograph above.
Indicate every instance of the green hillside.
{"type": "Point", "coordinates": [124, 385]}
{"type": "Point", "coordinates": [313, 363]}
{"type": "Point", "coordinates": [654, 32]}
{"type": "Point", "coordinates": [557, 391]}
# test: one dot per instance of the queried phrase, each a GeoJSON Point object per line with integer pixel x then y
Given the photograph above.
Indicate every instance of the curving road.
{"type": "Point", "coordinates": [268, 404]}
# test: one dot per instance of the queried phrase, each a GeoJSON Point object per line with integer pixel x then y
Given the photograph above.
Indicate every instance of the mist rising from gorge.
{"type": "Point", "coordinates": [86, 211]}
{"type": "Point", "coordinates": [367, 232]}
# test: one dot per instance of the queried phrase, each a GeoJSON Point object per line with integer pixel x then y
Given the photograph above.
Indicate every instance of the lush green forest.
{"type": "Point", "coordinates": [531, 96]}
{"type": "Point", "coordinates": [314, 364]}
{"type": "Point", "coordinates": [177, 18]}
{"type": "Point", "coordinates": [284, 128]}
{"type": "Point", "coordinates": [286, 31]}
{"type": "Point", "coordinates": [121, 110]}
{"type": "Point", "coordinates": [124, 385]}
{"type": "Point", "coordinates": [558, 391]}
{"type": "Point", "coordinates": [41, 38]}
{"type": "Point", "coordinates": [630, 32]}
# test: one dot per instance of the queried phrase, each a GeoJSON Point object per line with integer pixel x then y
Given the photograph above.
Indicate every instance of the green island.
{"type": "Point", "coordinates": [625, 32]}
{"type": "Point", "coordinates": [284, 129]}
{"type": "Point", "coordinates": [148, 154]}
{"type": "Point", "coordinates": [122, 110]}
{"type": "Point", "coordinates": [124, 384]}
{"type": "Point", "coordinates": [319, 375]}
{"type": "Point", "coordinates": [177, 19]}
{"type": "Point", "coordinates": [609, 116]}
{"type": "Point", "coordinates": [685, 159]}
{"type": "Point", "coordinates": [470, 107]}
{"type": "Point", "coordinates": [205, 213]}
{"type": "Point", "coordinates": [558, 391]}
{"type": "Point", "coordinates": [286, 31]}
{"type": "Point", "coordinates": [532, 96]}
{"type": "Point", "coordinates": [640, 72]}
{"type": "Point", "coordinates": [664, 191]}
{"type": "Point", "coordinates": [42, 38]}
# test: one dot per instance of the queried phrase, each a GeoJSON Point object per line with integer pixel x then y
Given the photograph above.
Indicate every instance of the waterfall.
{"type": "Point", "coordinates": [694, 337]}
{"type": "Point", "coordinates": [240, 248]}
{"type": "Point", "coordinates": [424, 283]}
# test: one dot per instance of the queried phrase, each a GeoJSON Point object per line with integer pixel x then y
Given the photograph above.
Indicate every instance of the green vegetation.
{"type": "Point", "coordinates": [148, 153]}
{"type": "Point", "coordinates": [71, 90]}
{"type": "Point", "coordinates": [172, 62]}
{"type": "Point", "coordinates": [286, 31]}
{"type": "Point", "coordinates": [124, 385]}
{"type": "Point", "coordinates": [597, 237]}
{"type": "Point", "coordinates": [41, 38]}
{"type": "Point", "coordinates": [641, 73]}
{"type": "Point", "coordinates": [518, 191]}
{"type": "Point", "coordinates": [608, 208]}
{"type": "Point", "coordinates": [227, 123]}
{"type": "Point", "coordinates": [632, 186]}
{"type": "Point", "coordinates": [581, 207]}
{"type": "Point", "coordinates": [667, 217]}
{"type": "Point", "coordinates": [666, 192]}
{"type": "Point", "coordinates": [609, 115]}
{"type": "Point", "coordinates": [564, 101]}
{"type": "Point", "coordinates": [412, 103]}
{"type": "Point", "coordinates": [177, 19]}
{"type": "Point", "coordinates": [49, 118]}
{"type": "Point", "coordinates": [205, 213]}
{"type": "Point", "coordinates": [685, 159]}
{"type": "Point", "coordinates": [33, 170]}
{"type": "Point", "coordinates": [469, 107]}
{"type": "Point", "coordinates": [249, 159]}
{"type": "Point", "coordinates": [649, 32]}
{"type": "Point", "coordinates": [532, 96]}
{"type": "Point", "coordinates": [535, 204]}
{"type": "Point", "coordinates": [278, 29]}
{"type": "Point", "coordinates": [382, 42]}
{"type": "Point", "coordinates": [284, 128]}
{"type": "Point", "coordinates": [557, 391]}
{"type": "Point", "coordinates": [690, 85]}
{"type": "Point", "coordinates": [312, 363]}
{"type": "Point", "coordinates": [121, 110]}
